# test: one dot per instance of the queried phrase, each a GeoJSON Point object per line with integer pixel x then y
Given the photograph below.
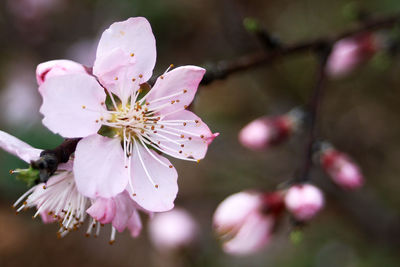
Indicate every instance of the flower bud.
{"type": "Point", "coordinates": [347, 54]}
{"type": "Point", "coordinates": [265, 131]}
{"type": "Point", "coordinates": [304, 201]}
{"type": "Point", "coordinates": [245, 223]}
{"type": "Point", "coordinates": [173, 230]}
{"type": "Point", "coordinates": [52, 68]}
{"type": "Point", "coordinates": [341, 169]}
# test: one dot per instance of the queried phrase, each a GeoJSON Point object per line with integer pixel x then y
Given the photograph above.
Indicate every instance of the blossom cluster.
{"type": "Point", "coordinates": [118, 167]}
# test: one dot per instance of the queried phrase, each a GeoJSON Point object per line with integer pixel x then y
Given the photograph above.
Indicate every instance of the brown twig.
{"type": "Point", "coordinates": [222, 69]}
{"type": "Point", "coordinates": [312, 109]}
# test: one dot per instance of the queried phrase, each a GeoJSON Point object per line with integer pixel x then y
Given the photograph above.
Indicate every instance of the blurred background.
{"type": "Point", "coordinates": [360, 115]}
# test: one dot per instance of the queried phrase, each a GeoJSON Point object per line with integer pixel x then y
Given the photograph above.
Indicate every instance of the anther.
{"type": "Point", "coordinates": [133, 79]}
{"type": "Point", "coordinates": [182, 136]}
{"type": "Point", "coordinates": [184, 124]}
{"type": "Point", "coordinates": [134, 194]}
{"type": "Point", "coordinates": [182, 145]}
{"type": "Point", "coordinates": [180, 151]}
{"type": "Point", "coordinates": [201, 136]}
{"type": "Point", "coordinates": [190, 138]}
{"type": "Point", "coordinates": [97, 121]}
{"type": "Point", "coordinates": [185, 106]}
{"type": "Point", "coordinates": [170, 166]}
{"type": "Point", "coordinates": [132, 54]}
{"type": "Point", "coordinates": [162, 126]}
{"type": "Point", "coordinates": [184, 91]}
{"type": "Point", "coordinates": [196, 121]}
{"type": "Point", "coordinates": [161, 77]}
{"type": "Point", "coordinates": [83, 106]}
{"type": "Point", "coordinates": [173, 101]}
{"type": "Point", "coordinates": [11, 171]}
{"type": "Point", "coordinates": [116, 78]}
{"type": "Point", "coordinates": [140, 76]}
{"type": "Point", "coordinates": [156, 186]}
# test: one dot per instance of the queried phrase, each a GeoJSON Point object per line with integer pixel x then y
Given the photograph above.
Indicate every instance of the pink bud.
{"type": "Point", "coordinates": [265, 131]}
{"type": "Point", "coordinates": [244, 222]}
{"type": "Point", "coordinates": [349, 53]}
{"type": "Point", "coordinates": [57, 67]}
{"type": "Point", "coordinates": [304, 201]}
{"type": "Point", "coordinates": [173, 230]}
{"type": "Point", "coordinates": [341, 169]}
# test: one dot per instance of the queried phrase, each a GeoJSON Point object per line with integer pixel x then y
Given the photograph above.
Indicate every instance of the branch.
{"type": "Point", "coordinates": [50, 159]}
{"type": "Point", "coordinates": [222, 69]}
{"type": "Point", "coordinates": [313, 108]}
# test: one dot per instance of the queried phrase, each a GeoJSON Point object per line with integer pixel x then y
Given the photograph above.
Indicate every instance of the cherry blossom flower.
{"type": "Point", "coordinates": [245, 221]}
{"type": "Point", "coordinates": [349, 53]}
{"type": "Point", "coordinates": [304, 201]}
{"type": "Point", "coordinates": [343, 171]}
{"type": "Point", "coordinates": [173, 230]}
{"type": "Point", "coordinates": [266, 131]}
{"type": "Point", "coordinates": [74, 105]}
{"type": "Point", "coordinates": [60, 200]}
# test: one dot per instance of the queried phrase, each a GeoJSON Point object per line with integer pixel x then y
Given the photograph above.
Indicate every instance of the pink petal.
{"type": "Point", "coordinates": [124, 209]}
{"type": "Point", "coordinates": [18, 148]}
{"type": "Point", "coordinates": [116, 72]}
{"type": "Point", "coordinates": [135, 224]}
{"type": "Point", "coordinates": [73, 105]}
{"type": "Point", "coordinates": [235, 209]}
{"type": "Point", "coordinates": [252, 236]}
{"type": "Point", "coordinates": [160, 194]}
{"type": "Point", "coordinates": [99, 167]}
{"type": "Point", "coordinates": [103, 210]}
{"type": "Point", "coordinates": [196, 136]}
{"type": "Point", "coordinates": [53, 68]}
{"type": "Point", "coordinates": [180, 84]}
{"type": "Point", "coordinates": [136, 41]}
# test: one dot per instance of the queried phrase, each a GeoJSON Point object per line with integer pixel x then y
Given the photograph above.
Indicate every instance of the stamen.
{"type": "Point", "coordinates": [143, 165]}
{"type": "Point", "coordinates": [112, 239]}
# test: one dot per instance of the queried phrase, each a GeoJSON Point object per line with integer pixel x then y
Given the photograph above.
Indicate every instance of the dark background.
{"type": "Point", "coordinates": [360, 115]}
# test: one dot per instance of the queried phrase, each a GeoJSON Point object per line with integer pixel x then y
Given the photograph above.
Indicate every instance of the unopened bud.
{"type": "Point", "coordinates": [304, 201]}
{"type": "Point", "coordinates": [265, 131]}
{"type": "Point", "coordinates": [349, 53]}
{"type": "Point", "coordinates": [341, 169]}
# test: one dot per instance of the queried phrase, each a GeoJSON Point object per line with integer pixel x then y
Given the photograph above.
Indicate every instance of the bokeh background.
{"type": "Point", "coordinates": [360, 115]}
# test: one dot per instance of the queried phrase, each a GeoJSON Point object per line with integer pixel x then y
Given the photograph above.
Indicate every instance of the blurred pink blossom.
{"type": "Point", "coordinates": [304, 201]}
{"type": "Point", "coordinates": [19, 99]}
{"type": "Point", "coordinates": [347, 54]}
{"type": "Point", "coordinates": [341, 169]}
{"type": "Point", "coordinates": [33, 9]}
{"type": "Point", "coordinates": [173, 230]}
{"type": "Point", "coordinates": [74, 106]}
{"type": "Point", "coordinates": [245, 221]}
{"type": "Point", "coordinates": [265, 131]}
